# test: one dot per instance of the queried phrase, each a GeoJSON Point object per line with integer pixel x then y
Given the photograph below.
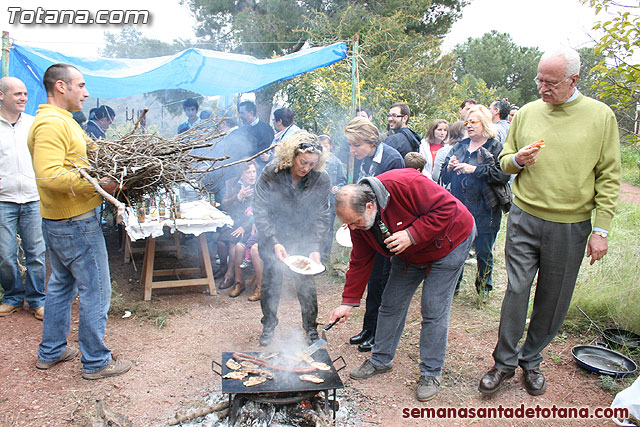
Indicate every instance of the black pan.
{"type": "Point", "coordinates": [621, 338]}
{"type": "Point", "coordinates": [603, 361]}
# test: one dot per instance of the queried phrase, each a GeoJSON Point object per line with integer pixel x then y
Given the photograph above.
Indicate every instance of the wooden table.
{"type": "Point", "coordinates": [195, 225]}
{"type": "Point", "coordinates": [148, 272]}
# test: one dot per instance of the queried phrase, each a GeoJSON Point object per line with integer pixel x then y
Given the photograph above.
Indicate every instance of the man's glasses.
{"type": "Point", "coordinates": [549, 84]}
{"type": "Point", "coordinates": [471, 122]}
{"type": "Point", "coordinates": [397, 116]}
{"type": "Point", "coordinates": [308, 145]}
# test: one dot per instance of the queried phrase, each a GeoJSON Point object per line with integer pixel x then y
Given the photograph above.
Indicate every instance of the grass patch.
{"type": "Point", "coordinates": [609, 290]}
{"type": "Point", "coordinates": [629, 156]}
{"type": "Point", "coordinates": [613, 385]}
{"type": "Point", "coordinates": [143, 310]}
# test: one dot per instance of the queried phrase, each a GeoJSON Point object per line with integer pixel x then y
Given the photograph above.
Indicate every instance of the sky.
{"type": "Point", "coordinates": [540, 23]}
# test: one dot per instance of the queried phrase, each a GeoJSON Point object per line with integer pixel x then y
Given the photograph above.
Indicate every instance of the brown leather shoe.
{"type": "Point", "coordinates": [492, 381]}
{"type": "Point", "coordinates": [237, 289]}
{"type": "Point", "coordinates": [255, 296]}
{"type": "Point", "coordinates": [6, 309]}
{"type": "Point", "coordinates": [38, 313]}
{"type": "Point", "coordinates": [534, 382]}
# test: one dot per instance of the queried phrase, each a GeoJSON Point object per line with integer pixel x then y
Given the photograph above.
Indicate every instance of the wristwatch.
{"type": "Point", "coordinates": [601, 233]}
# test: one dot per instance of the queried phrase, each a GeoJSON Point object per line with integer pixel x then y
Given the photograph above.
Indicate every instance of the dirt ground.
{"type": "Point", "coordinates": [172, 364]}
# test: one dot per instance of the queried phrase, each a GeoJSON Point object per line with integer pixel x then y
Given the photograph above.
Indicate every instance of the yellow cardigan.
{"type": "Point", "coordinates": [58, 147]}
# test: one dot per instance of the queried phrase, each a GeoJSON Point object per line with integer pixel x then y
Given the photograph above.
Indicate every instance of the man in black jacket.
{"type": "Point", "coordinates": [403, 139]}
{"type": "Point", "coordinates": [259, 133]}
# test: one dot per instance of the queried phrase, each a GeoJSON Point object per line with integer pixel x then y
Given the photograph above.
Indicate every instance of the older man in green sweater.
{"type": "Point", "coordinates": [558, 185]}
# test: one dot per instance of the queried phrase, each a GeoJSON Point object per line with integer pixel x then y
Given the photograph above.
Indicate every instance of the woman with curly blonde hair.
{"type": "Point", "coordinates": [291, 213]}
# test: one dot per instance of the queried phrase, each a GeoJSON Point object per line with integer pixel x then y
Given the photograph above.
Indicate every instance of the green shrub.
{"type": "Point", "coordinates": [630, 155]}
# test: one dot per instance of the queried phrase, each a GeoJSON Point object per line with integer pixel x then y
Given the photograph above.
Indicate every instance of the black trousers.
{"type": "Point", "coordinates": [274, 271]}
{"type": "Point", "coordinates": [375, 288]}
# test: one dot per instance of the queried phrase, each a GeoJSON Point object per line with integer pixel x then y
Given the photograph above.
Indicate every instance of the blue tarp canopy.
{"type": "Point", "coordinates": [201, 71]}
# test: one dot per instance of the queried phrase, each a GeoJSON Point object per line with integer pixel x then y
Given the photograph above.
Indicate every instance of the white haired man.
{"type": "Point", "coordinates": [556, 190]}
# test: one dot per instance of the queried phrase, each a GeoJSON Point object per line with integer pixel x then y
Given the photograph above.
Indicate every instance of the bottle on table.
{"type": "Point", "coordinates": [162, 209]}
{"type": "Point", "coordinates": [141, 212]}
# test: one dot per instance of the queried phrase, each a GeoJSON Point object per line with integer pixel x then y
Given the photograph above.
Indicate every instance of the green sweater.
{"type": "Point", "coordinates": [577, 171]}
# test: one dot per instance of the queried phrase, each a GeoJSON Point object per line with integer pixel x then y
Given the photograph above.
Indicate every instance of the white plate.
{"type": "Point", "coordinates": [343, 236]}
{"type": "Point", "coordinates": [313, 269]}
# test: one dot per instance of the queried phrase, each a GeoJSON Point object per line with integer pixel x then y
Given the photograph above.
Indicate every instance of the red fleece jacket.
{"type": "Point", "coordinates": [436, 221]}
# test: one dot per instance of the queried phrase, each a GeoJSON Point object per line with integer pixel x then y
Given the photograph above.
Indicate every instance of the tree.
{"type": "Point", "coordinates": [275, 27]}
{"type": "Point", "coordinates": [504, 66]}
{"type": "Point", "coordinates": [394, 65]}
{"type": "Point", "coordinates": [619, 71]}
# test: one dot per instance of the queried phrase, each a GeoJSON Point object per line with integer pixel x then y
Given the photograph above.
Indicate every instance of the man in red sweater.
{"type": "Point", "coordinates": [428, 236]}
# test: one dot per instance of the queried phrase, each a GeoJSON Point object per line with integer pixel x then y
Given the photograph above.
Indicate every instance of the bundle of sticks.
{"type": "Point", "coordinates": [142, 164]}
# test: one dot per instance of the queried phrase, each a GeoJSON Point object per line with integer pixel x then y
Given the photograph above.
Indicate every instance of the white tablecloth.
{"type": "Point", "coordinates": [197, 217]}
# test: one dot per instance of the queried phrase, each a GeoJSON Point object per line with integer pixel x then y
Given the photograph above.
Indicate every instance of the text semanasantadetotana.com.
{"type": "Point", "coordinates": [18, 15]}
{"type": "Point", "coordinates": [519, 412]}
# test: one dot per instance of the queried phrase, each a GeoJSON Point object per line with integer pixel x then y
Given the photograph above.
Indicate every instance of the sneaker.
{"type": "Point", "coordinates": [115, 367]}
{"type": "Point", "coordinates": [38, 313]}
{"type": "Point", "coordinates": [245, 264]}
{"type": "Point", "coordinates": [367, 370]}
{"type": "Point", "coordinates": [7, 309]}
{"type": "Point", "coordinates": [428, 387]}
{"type": "Point", "coordinates": [69, 354]}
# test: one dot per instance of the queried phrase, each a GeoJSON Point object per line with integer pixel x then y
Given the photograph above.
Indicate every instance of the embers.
{"type": "Point", "coordinates": [282, 409]}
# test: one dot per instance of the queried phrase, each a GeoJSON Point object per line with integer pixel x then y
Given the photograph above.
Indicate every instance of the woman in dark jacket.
{"type": "Point", "coordinates": [365, 142]}
{"type": "Point", "coordinates": [471, 168]}
{"type": "Point", "coordinates": [291, 213]}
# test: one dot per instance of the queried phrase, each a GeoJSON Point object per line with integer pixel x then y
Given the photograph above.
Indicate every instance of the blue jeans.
{"type": "Point", "coordinates": [440, 278]}
{"type": "Point", "coordinates": [27, 217]}
{"type": "Point", "coordinates": [79, 265]}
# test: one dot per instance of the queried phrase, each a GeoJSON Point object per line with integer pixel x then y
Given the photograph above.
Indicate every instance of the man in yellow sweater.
{"type": "Point", "coordinates": [72, 231]}
{"type": "Point", "coordinates": [557, 187]}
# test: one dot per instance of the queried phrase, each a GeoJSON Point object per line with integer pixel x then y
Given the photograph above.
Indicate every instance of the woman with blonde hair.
{"type": "Point", "coordinates": [472, 168]}
{"type": "Point", "coordinates": [365, 142]}
{"type": "Point", "coordinates": [291, 213]}
{"type": "Point", "coordinates": [436, 138]}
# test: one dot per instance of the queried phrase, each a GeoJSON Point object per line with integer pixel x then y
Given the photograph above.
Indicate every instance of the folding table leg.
{"type": "Point", "coordinates": [205, 263]}
{"type": "Point", "coordinates": [147, 267]}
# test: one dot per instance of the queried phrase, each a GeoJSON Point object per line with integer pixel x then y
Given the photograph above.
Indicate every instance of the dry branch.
{"type": "Point", "coordinates": [145, 163]}
{"type": "Point", "coordinates": [201, 412]}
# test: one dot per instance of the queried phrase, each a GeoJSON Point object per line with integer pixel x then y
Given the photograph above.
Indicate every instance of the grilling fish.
{"type": "Point", "coordinates": [235, 375]}
{"type": "Point", "coordinates": [232, 364]}
{"type": "Point", "coordinates": [305, 357]}
{"type": "Point", "coordinates": [254, 381]}
{"type": "Point", "coordinates": [321, 366]}
{"type": "Point", "coordinates": [311, 378]}
{"type": "Point", "coordinates": [249, 365]}
{"type": "Point", "coordinates": [268, 375]}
